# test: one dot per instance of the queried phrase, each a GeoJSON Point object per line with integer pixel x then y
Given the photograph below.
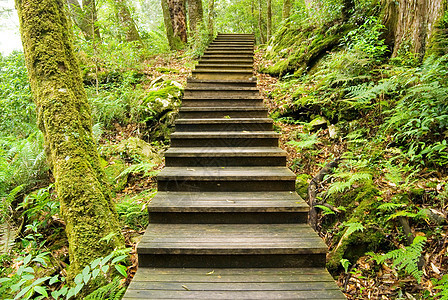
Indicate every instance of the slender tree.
{"type": "Point", "coordinates": [127, 22]}
{"type": "Point", "coordinates": [286, 12]}
{"type": "Point", "coordinates": [174, 16]}
{"type": "Point", "coordinates": [195, 16]}
{"type": "Point", "coordinates": [260, 22]}
{"type": "Point", "coordinates": [269, 20]}
{"type": "Point", "coordinates": [211, 12]}
{"type": "Point", "coordinates": [64, 117]}
{"type": "Point", "coordinates": [85, 18]}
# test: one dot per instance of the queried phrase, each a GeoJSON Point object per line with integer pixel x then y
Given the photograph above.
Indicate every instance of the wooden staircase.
{"type": "Point", "coordinates": [226, 222]}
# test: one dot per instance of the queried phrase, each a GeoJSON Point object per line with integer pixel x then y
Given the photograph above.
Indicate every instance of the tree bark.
{"type": "Point", "coordinates": [269, 20]}
{"type": "Point", "coordinates": [211, 12]}
{"type": "Point", "coordinates": [195, 15]}
{"type": "Point", "coordinates": [260, 22]}
{"type": "Point", "coordinates": [64, 117]}
{"type": "Point", "coordinates": [174, 16]}
{"type": "Point", "coordinates": [286, 11]}
{"type": "Point", "coordinates": [125, 18]}
{"type": "Point", "coordinates": [410, 23]}
{"type": "Point", "coordinates": [85, 18]}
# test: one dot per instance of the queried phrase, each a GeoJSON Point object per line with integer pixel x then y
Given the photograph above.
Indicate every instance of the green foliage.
{"type": "Point", "coordinates": [442, 286]}
{"type": "Point", "coordinates": [348, 180]}
{"type": "Point", "coordinates": [133, 211]}
{"type": "Point", "coordinates": [16, 106]}
{"type": "Point", "coordinates": [23, 162]}
{"type": "Point", "coordinates": [366, 40]}
{"type": "Point", "coordinates": [26, 284]}
{"type": "Point", "coordinates": [111, 291]}
{"type": "Point", "coordinates": [406, 258]}
{"type": "Point", "coordinates": [306, 141]}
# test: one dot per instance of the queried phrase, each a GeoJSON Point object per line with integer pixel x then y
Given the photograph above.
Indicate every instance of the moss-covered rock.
{"type": "Point", "coordinates": [302, 185]}
{"type": "Point", "coordinates": [361, 207]}
{"type": "Point", "coordinates": [297, 49]}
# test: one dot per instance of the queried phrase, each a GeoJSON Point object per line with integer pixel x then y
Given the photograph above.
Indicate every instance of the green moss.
{"type": "Point", "coordinates": [65, 119]}
{"type": "Point", "coordinates": [302, 185]}
{"type": "Point", "coordinates": [438, 44]}
{"type": "Point", "coordinates": [296, 50]}
{"type": "Point", "coordinates": [361, 204]}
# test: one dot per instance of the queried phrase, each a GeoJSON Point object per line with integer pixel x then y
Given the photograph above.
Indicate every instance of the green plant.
{"type": "Point", "coordinates": [442, 286]}
{"type": "Point", "coordinates": [27, 285]}
{"type": "Point", "coordinates": [405, 258]}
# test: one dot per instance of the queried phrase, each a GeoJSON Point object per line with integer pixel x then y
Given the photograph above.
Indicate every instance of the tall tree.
{"type": "Point", "coordinates": [286, 12]}
{"type": "Point", "coordinates": [195, 16]}
{"type": "Point", "coordinates": [269, 20]}
{"type": "Point", "coordinates": [126, 20]}
{"type": "Point", "coordinates": [85, 18]}
{"type": "Point", "coordinates": [64, 117]}
{"type": "Point", "coordinates": [412, 23]}
{"type": "Point", "coordinates": [174, 16]}
{"type": "Point", "coordinates": [260, 22]}
{"type": "Point", "coordinates": [211, 13]}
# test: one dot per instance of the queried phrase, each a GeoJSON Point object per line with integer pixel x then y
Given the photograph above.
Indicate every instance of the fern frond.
{"type": "Point", "coordinates": [406, 258]}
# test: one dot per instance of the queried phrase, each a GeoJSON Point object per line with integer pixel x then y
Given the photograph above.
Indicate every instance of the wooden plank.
{"type": "Point", "coordinates": [148, 294]}
{"type": "Point", "coordinates": [234, 271]}
{"type": "Point", "coordinates": [234, 286]}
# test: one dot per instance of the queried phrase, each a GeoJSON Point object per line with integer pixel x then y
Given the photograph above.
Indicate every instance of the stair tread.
{"type": "Point", "coordinates": [223, 108]}
{"type": "Point", "coordinates": [228, 202]}
{"type": "Point", "coordinates": [233, 283]}
{"type": "Point", "coordinates": [223, 120]}
{"type": "Point", "coordinates": [227, 134]}
{"type": "Point", "coordinates": [226, 173]}
{"type": "Point", "coordinates": [231, 239]}
{"type": "Point", "coordinates": [222, 71]}
{"type": "Point", "coordinates": [228, 151]}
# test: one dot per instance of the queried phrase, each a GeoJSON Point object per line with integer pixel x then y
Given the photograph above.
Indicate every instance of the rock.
{"type": "Point", "coordinates": [137, 148]}
{"type": "Point", "coordinates": [318, 123]}
{"type": "Point", "coordinates": [333, 132]}
{"type": "Point", "coordinates": [157, 80]}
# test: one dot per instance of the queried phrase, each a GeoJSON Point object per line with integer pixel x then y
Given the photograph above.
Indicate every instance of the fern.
{"type": "Point", "coordinates": [351, 228]}
{"type": "Point", "coordinates": [442, 285]}
{"type": "Point", "coordinates": [341, 186]}
{"type": "Point", "coordinates": [306, 141]}
{"type": "Point", "coordinates": [390, 206]}
{"type": "Point", "coordinates": [146, 168]}
{"type": "Point", "coordinates": [406, 258]}
{"type": "Point", "coordinates": [111, 291]}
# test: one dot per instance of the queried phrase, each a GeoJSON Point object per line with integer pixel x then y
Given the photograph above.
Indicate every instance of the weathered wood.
{"type": "Point", "coordinates": [227, 222]}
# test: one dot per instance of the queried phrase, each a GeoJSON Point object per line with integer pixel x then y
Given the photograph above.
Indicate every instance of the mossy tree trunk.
{"type": "Point", "coordinates": [195, 16]}
{"type": "Point", "coordinates": [85, 18]}
{"type": "Point", "coordinates": [210, 21]}
{"type": "Point", "coordinates": [286, 11]}
{"type": "Point", "coordinates": [64, 117]}
{"type": "Point", "coordinates": [174, 16]}
{"type": "Point", "coordinates": [410, 24]}
{"type": "Point", "coordinates": [127, 22]}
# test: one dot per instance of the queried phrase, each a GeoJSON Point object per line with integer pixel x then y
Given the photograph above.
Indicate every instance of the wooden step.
{"type": "Point", "coordinates": [225, 139]}
{"type": "Point", "coordinates": [231, 246]}
{"type": "Point", "coordinates": [224, 156]}
{"type": "Point", "coordinates": [226, 179]}
{"type": "Point", "coordinates": [194, 82]}
{"type": "Point", "coordinates": [211, 101]}
{"type": "Point", "coordinates": [223, 124]}
{"type": "Point", "coordinates": [206, 66]}
{"type": "Point", "coordinates": [235, 283]}
{"type": "Point", "coordinates": [220, 92]}
{"type": "Point", "coordinates": [222, 112]}
{"type": "Point", "coordinates": [222, 74]}
{"type": "Point", "coordinates": [227, 208]}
